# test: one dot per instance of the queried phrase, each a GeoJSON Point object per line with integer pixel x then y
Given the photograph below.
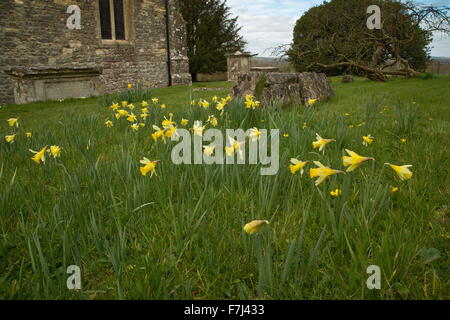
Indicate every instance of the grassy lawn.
{"type": "Point", "coordinates": [179, 234]}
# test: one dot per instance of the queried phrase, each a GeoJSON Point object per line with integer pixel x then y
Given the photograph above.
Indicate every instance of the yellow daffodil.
{"type": "Point", "coordinates": [39, 155]}
{"type": "Point", "coordinates": [305, 125]}
{"type": "Point", "coordinates": [213, 121]}
{"type": "Point", "coordinates": [168, 123]}
{"type": "Point", "coordinates": [144, 115]}
{"type": "Point", "coordinates": [311, 102]}
{"type": "Point", "coordinates": [134, 126]}
{"type": "Point", "coordinates": [254, 226]}
{"type": "Point", "coordinates": [403, 140]}
{"type": "Point", "coordinates": [367, 140]}
{"type": "Point", "coordinates": [215, 99]}
{"type": "Point", "coordinates": [322, 172]}
{"type": "Point", "coordinates": [144, 104]}
{"type": "Point", "coordinates": [198, 128]}
{"type": "Point", "coordinates": [204, 104]}
{"type": "Point", "coordinates": [286, 135]}
{"type": "Point", "coordinates": [149, 166]}
{"type": "Point", "coordinates": [354, 161]}
{"type": "Point", "coordinates": [132, 117]}
{"type": "Point", "coordinates": [250, 103]}
{"type": "Point", "coordinates": [109, 123]}
{"type": "Point", "coordinates": [235, 146]}
{"type": "Point", "coordinates": [209, 150]}
{"type": "Point", "coordinates": [220, 106]}
{"type": "Point", "coordinates": [123, 113]}
{"type": "Point", "coordinates": [394, 189]}
{"type": "Point", "coordinates": [228, 98]}
{"type": "Point", "coordinates": [117, 115]}
{"type": "Point", "coordinates": [28, 134]}
{"type": "Point", "coordinates": [163, 106]}
{"type": "Point", "coordinates": [10, 138]}
{"type": "Point", "coordinates": [171, 132]}
{"type": "Point", "coordinates": [55, 151]}
{"type": "Point", "coordinates": [115, 106]}
{"type": "Point", "coordinates": [184, 122]}
{"type": "Point", "coordinates": [193, 102]}
{"type": "Point", "coordinates": [131, 106]}
{"type": "Point", "coordinates": [321, 142]}
{"type": "Point", "coordinates": [403, 172]}
{"type": "Point", "coordinates": [13, 122]}
{"type": "Point", "coordinates": [124, 104]}
{"type": "Point", "coordinates": [130, 86]}
{"type": "Point", "coordinates": [255, 134]}
{"type": "Point", "coordinates": [144, 110]}
{"type": "Point", "coordinates": [297, 165]}
{"type": "Point", "coordinates": [158, 133]}
{"type": "Point", "coordinates": [336, 193]}
{"type": "Point", "coordinates": [155, 100]}
{"type": "Point", "coordinates": [141, 125]}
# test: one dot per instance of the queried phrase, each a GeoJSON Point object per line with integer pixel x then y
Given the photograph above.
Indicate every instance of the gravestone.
{"type": "Point", "coordinates": [296, 88]}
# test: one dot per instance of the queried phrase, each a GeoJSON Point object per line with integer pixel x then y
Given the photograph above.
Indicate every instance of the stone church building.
{"type": "Point", "coordinates": [57, 49]}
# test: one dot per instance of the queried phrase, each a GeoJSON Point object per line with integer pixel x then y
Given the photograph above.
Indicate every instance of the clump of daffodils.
{"type": "Point", "coordinates": [250, 102]}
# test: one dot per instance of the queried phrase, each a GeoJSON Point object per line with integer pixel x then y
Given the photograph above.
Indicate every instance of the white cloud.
{"type": "Point", "coordinates": [267, 24]}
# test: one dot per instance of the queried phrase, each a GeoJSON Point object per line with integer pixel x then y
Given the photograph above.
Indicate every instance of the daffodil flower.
{"type": "Point", "coordinates": [163, 106]}
{"type": "Point", "coordinates": [336, 193]}
{"type": "Point", "coordinates": [255, 134]}
{"type": "Point", "coordinates": [367, 140]}
{"type": "Point", "coordinates": [131, 106]}
{"type": "Point", "coordinates": [297, 165]}
{"type": "Point", "coordinates": [403, 172]}
{"type": "Point", "coordinates": [132, 118]}
{"type": "Point", "coordinates": [168, 123]}
{"type": "Point", "coordinates": [235, 146]}
{"type": "Point", "coordinates": [109, 123]}
{"type": "Point", "coordinates": [124, 104]}
{"type": "Point", "coordinates": [130, 86]}
{"type": "Point", "coordinates": [155, 100]}
{"type": "Point", "coordinates": [123, 113]}
{"type": "Point", "coordinates": [55, 151]}
{"type": "Point", "coordinates": [158, 133]}
{"type": "Point", "coordinates": [403, 140]}
{"type": "Point", "coordinates": [321, 142]}
{"type": "Point", "coordinates": [184, 122]}
{"type": "Point", "coordinates": [322, 172]}
{"type": "Point", "coordinates": [149, 166]}
{"type": "Point", "coordinates": [13, 122]}
{"type": "Point", "coordinates": [134, 126]}
{"type": "Point", "coordinates": [39, 155]}
{"type": "Point", "coordinates": [311, 102]}
{"type": "Point", "coordinates": [171, 132]}
{"type": "Point", "coordinates": [144, 104]}
{"type": "Point", "coordinates": [115, 106]}
{"type": "Point", "coordinates": [254, 226]}
{"type": "Point", "coordinates": [215, 99]}
{"type": "Point", "coordinates": [28, 134]}
{"type": "Point", "coordinates": [213, 121]}
{"type": "Point", "coordinates": [144, 115]}
{"type": "Point", "coordinates": [198, 128]}
{"type": "Point", "coordinates": [209, 150]}
{"type": "Point", "coordinates": [144, 110]}
{"type": "Point", "coordinates": [354, 161]}
{"type": "Point", "coordinates": [10, 138]}
{"type": "Point", "coordinates": [204, 104]}
{"type": "Point", "coordinates": [394, 189]}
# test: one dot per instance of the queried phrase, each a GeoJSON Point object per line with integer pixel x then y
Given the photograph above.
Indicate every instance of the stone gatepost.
{"type": "Point", "coordinates": [238, 63]}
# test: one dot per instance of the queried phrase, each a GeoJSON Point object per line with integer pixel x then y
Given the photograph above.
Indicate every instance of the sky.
{"type": "Point", "coordinates": [269, 23]}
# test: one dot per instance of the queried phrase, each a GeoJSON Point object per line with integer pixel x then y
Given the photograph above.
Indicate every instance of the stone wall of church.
{"type": "Point", "coordinates": [34, 37]}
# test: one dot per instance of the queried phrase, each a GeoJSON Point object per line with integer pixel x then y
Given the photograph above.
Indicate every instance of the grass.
{"type": "Point", "coordinates": [178, 235]}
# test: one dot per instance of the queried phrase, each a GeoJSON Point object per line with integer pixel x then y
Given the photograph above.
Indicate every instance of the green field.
{"type": "Point", "coordinates": [179, 234]}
